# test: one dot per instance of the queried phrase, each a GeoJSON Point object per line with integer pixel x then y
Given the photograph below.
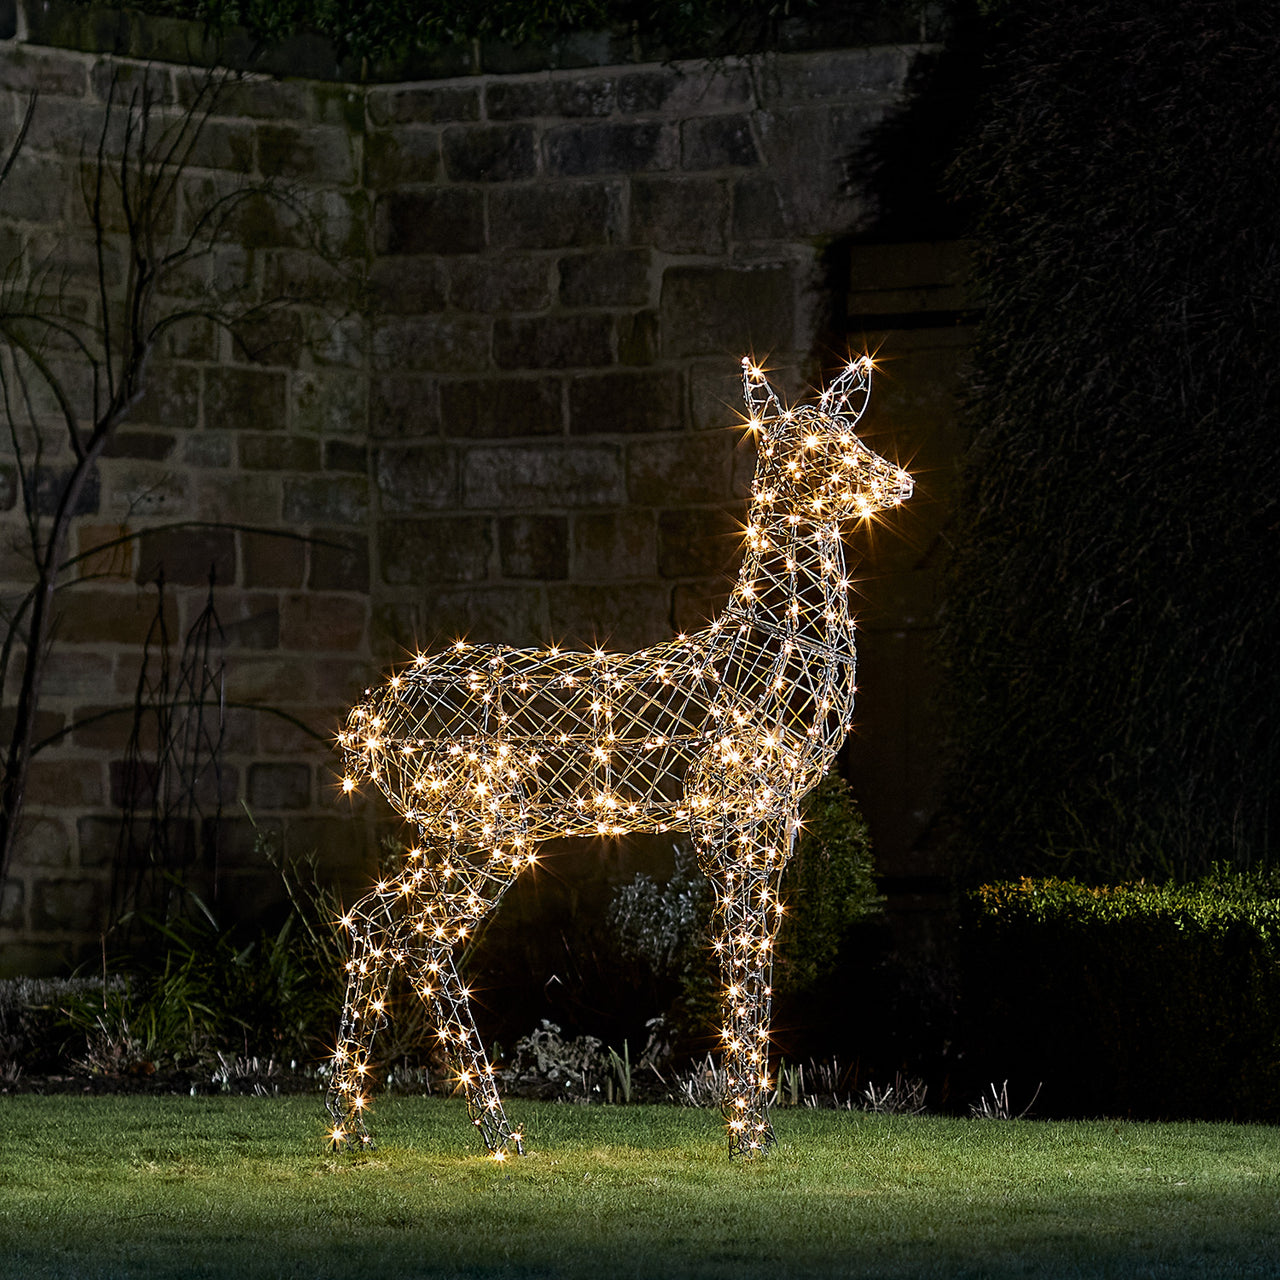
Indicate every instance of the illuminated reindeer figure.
{"type": "Point", "coordinates": [489, 750]}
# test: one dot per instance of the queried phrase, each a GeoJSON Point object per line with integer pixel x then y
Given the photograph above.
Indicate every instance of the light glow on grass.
{"type": "Point", "coordinates": [234, 1187]}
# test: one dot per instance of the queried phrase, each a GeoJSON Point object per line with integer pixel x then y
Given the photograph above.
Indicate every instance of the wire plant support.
{"type": "Point", "coordinates": [489, 750]}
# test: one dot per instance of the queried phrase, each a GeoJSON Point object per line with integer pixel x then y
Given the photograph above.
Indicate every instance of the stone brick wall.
{"type": "Point", "coordinates": [507, 411]}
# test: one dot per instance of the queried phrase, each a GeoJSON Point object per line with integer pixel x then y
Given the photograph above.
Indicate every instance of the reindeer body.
{"type": "Point", "coordinates": [489, 750]}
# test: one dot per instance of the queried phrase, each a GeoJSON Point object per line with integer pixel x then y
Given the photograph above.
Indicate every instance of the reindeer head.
{"type": "Point", "coordinates": [811, 462]}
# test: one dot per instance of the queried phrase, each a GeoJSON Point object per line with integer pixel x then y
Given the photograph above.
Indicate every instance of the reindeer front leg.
{"type": "Point", "coordinates": [373, 927]}
{"type": "Point", "coordinates": [437, 982]}
{"type": "Point", "coordinates": [746, 870]}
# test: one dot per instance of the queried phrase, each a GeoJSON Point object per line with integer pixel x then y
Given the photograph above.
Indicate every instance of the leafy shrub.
{"type": "Point", "coordinates": [188, 989]}
{"type": "Point", "coordinates": [392, 29]}
{"type": "Point", "coordinates": [828, 886]}
{"type": "Point", "coordinates": [1146, 1000]}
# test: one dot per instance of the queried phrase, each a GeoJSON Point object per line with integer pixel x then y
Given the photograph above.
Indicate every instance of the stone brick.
{"type": "Point", "coordinates": [265, 99]}
{"type": "Point", "coordinates": [258, 220]}
{"type": "Point", "coordinates": [327, 500]}
{"type": "Point", "coordinates": [448, 343]}
{"type": "Point", "coordinates": [186, 556]}
{"type": "Point", "coordinates": [614, 545]}
{"type": "Point", "coordinates": [553, 342]}
{"type": "Point", "coordinates": [343, 455]}
{"type": "Point", "coordinates": [279, 453]}
{"type": "Point", "coordinates": [759, 210]}
{"type": "Point", "coordinates": [695, 468]}
{"type": "Point", "coordinates": [697, 542]}
{"type": "Point", "coordinates": [680, 215]}
{"type": "Point", "coordinates": [223, 144]}
{"type": "Point", "coordinates": [623, 147]}
{"type": "Point", "coordinates": [339, 561]}
{"type": "Point", "coordinates": [100, 615]}
{"type": "Point", "coordinates": [439, 220]}
{"type": "Point", "coordinates": [537, 477]}
{"type": "Point", "coordinates": [581, 97]}
{"type": "Point", "coordinates": [106, 550]}
{"type": "Point", "coordinates": [279, 786]}
{"type": "Point", "coordinates": [154, 446]}
{"type": "Point", "coordinates": [791, 78]}
{"type": "Point", "coordinates": [432, 104]}
{"type": "Point", "coordinates": [8, 486]}
{"type": "Point", "coordinates": [42, 842]}
{"type": "Point", "coordinates": [534, 546]}
{"type": "Point", "coordinates": [490, 153]}
{"type": "Point", "coordinates": [329, 402]}
{"type": "Point", "coordinates": [694, 604]}
{"type": "Point", "coordinates": [317, 153]}
{"type": "Point", "coordinates": [502, 408]}
{"type": "Point", "coordinates": [833, 200]}
{"type": "Point", "coordinates": [208, 450]}
{"type": "Point", "coordinates": [21, 71]}
{"type": "Point", "coordinates": [425, 552]}
{"type": "Point", "coordinates": [171, 398]}
{"type": "Point", "coordinates": [271, 562]}
{"type": "Point", "coordinates": [255, 624]}
{"type": "Point", "coordinates": [341, 848]}
{"type": "Point", "coordinates": [267, 679]}
{"type": "Point", "coordinates": [312, 621]}
{"type": "Point", "coordinates": [715, 394]}
{"type": "Point", "coordinates": [12, 897]}
{"type": "Point", "coordinates": [680, 93]}
{"type": "Point", "coordinates": [73, 128]}
{"type": "Point", "coordinates": [403, 157]}
{"type": "Point", "coordinates": [37, 190]}
{"type": "Point", "coordinates": [407, 286]}
{"type": "Point", "coordinates": [711, 310]}
{"type": "Point", "coordinates": [78, 675]}
{"type": "Point", "coordinates": [246, 497]}
{"type": "Point", "coordinates": [484, 615]}
{"type": "Point", "coordinates": [69, 784]}
{"type": "Point", "coordinates": [607, 278]}
{"type": "Point", "coordinates": [718, 142]}
{"type": "Point", "coordinates": [557, 216]}
{"type": "Point", "coordinates": [239, 841]}
{"type": "Point", "coordinates": [638, 337]}
{"type": "Point", "coordinates": [276, 338]}
{"type": "Point", "coordinates": [69, 904]}
{"type": "Point", "coordinates": [618, 618]}
{"type": "Point", "coordinates": [149, 489]}
{"type": "Point", "coordinates": [404, 405]}
{"type": "Point", "coordinates": [281, 737]}
{"type": "Point", "coordinates": [496, 283]}
{"type": "Point", "coordinates": [627, 401]}
{"type": "Point", "coordinates": [416, 478]}
{"type": "Point", "coordinates": [52, 482]}
{"type": "Point", "coordinates": [244, 399]}
{"type": "Point", "coordinates": [100, 726]}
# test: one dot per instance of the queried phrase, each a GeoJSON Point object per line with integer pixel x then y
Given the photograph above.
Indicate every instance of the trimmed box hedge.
{"type": "Point", "coordinates": [1142, 1000]}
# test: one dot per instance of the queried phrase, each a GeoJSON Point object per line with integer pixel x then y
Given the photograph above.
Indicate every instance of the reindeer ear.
{"type": "Point", "coordinates": [847, 396]}
{"type": "Point", "coordinates": [761, 399]}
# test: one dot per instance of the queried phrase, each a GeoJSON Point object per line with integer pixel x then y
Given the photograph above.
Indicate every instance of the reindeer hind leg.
{"type": "Point", "coordinates": [372, 924]}
{"type": "Point", "coordinates": [457, 896]}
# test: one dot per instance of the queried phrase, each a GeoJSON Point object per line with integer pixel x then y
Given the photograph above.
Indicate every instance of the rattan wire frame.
{"type": "Point", "coordinates": [487, 750]}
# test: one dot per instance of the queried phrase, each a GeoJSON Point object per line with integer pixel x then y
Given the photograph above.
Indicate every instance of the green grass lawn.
{"type": "Point", "coordinates": [243, 1187]}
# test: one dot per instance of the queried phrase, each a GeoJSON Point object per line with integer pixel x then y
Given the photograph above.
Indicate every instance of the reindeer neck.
{"type": "Point", "coordinates": [793, 584]}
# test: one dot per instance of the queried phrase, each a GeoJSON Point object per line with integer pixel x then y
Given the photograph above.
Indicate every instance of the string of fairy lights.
{"type": "Point", "coordinates": [489, 750]}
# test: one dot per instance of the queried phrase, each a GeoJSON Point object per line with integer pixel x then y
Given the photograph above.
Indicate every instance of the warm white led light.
{"type": "Point", "coordinates": [488, 749]}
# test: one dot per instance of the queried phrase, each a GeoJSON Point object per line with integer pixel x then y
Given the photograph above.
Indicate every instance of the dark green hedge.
{"type": "Point", "coordinates": [1135, 1000]}
{"type": "Point", "coordinates": [1108, 635]}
